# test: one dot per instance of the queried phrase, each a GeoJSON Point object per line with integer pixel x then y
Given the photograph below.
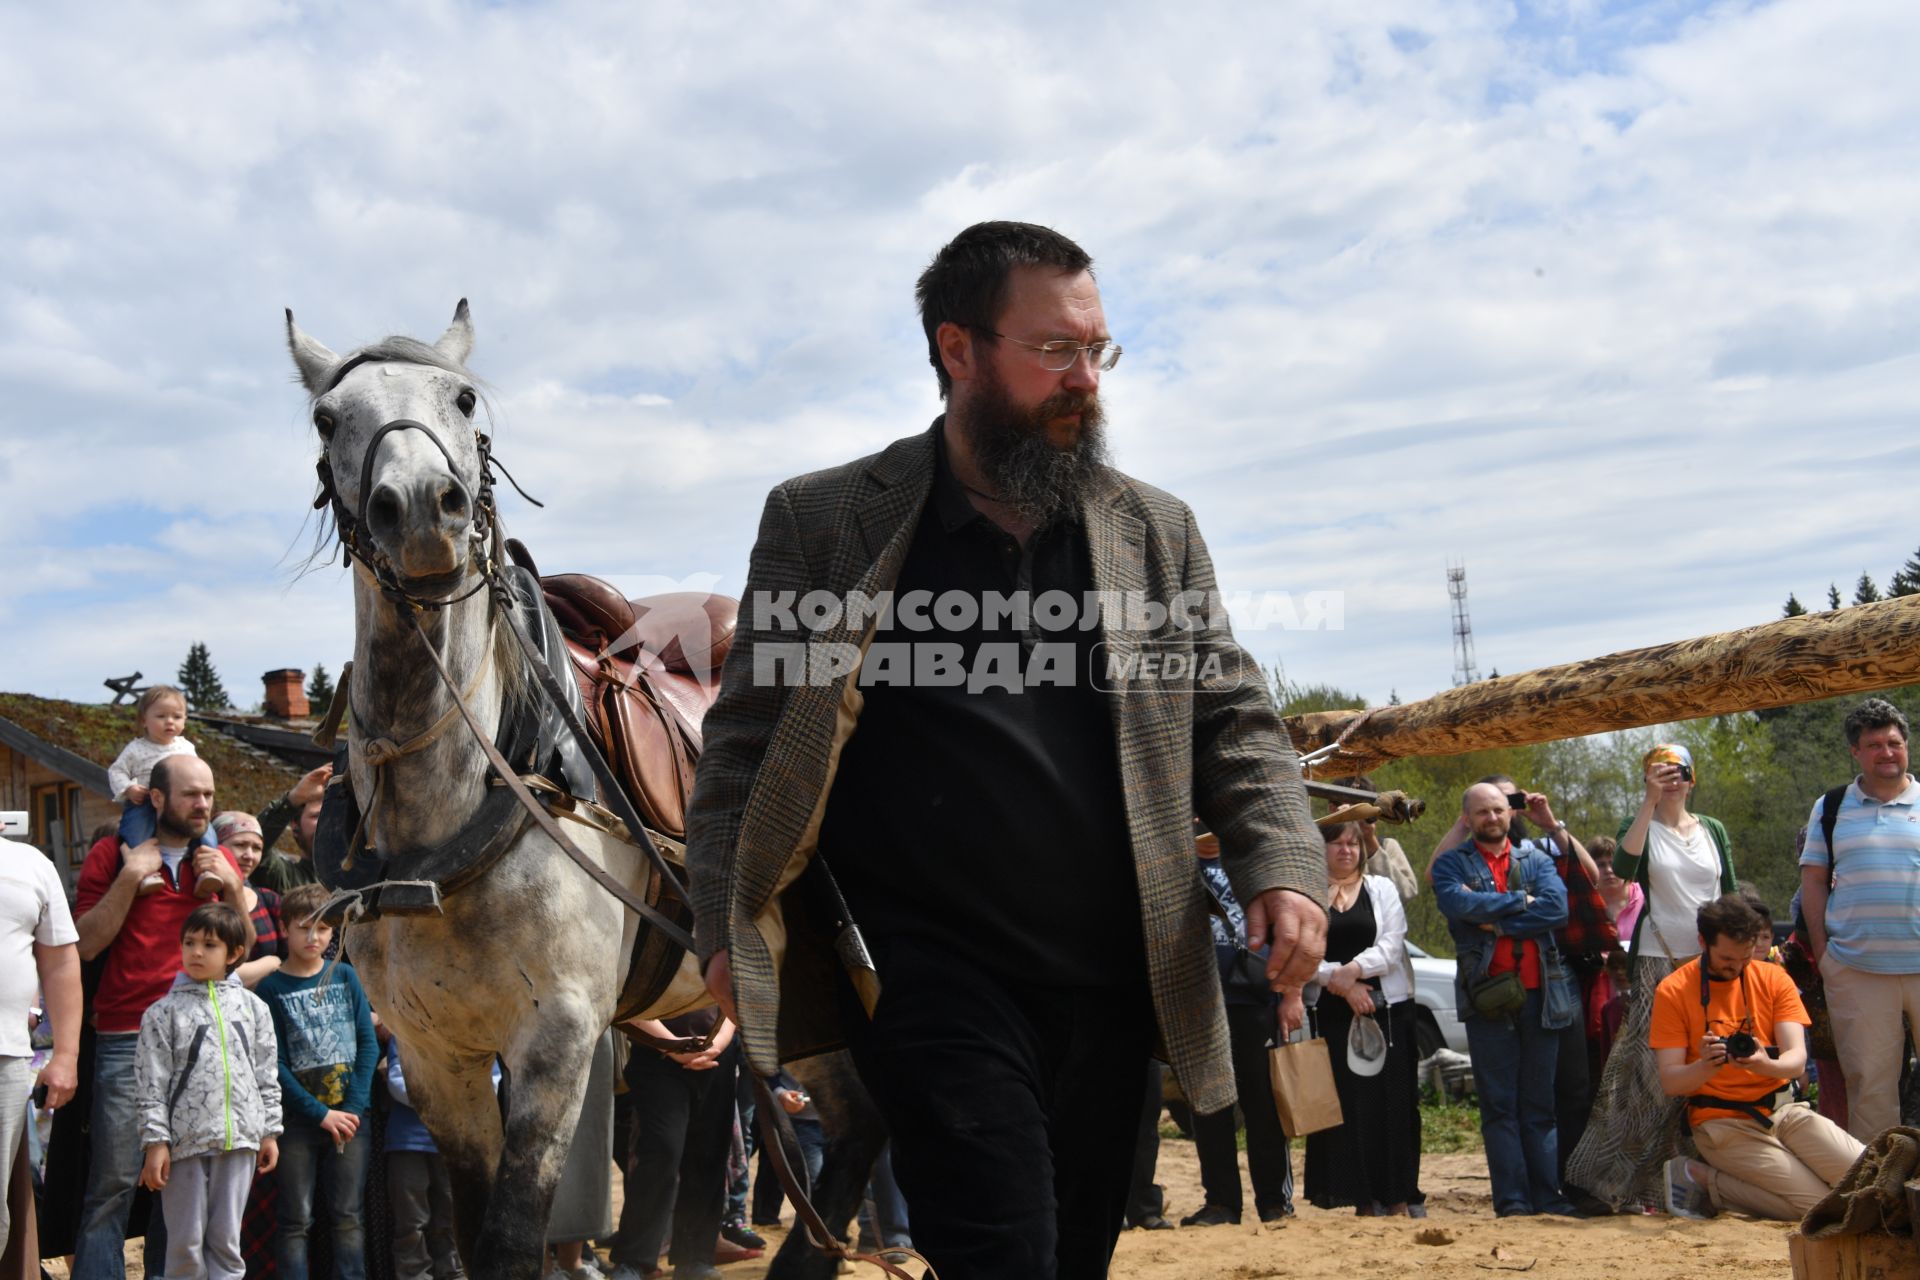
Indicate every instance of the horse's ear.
{"type": "Point", "coordinates": [310, 356]}
{"type": "Point", "coordinates": [457, 342]}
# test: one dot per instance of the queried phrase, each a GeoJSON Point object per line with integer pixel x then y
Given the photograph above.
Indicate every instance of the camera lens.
{"type": "Point", "coordinates": [1741, 1045]}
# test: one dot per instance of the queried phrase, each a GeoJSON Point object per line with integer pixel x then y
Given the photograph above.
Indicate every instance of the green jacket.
{"type": "Point", "coordinates": [1634, 867]}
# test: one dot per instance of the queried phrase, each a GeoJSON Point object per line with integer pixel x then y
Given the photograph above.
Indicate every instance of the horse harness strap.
{"type": "Point", "coordinates": [544, 820]}
{"type": "Point", "coordinates": [378, 753]}
{"type": "Point", "coordinates": [783, 1149]}
{"type": "Point", "coordinates": [616, 794]}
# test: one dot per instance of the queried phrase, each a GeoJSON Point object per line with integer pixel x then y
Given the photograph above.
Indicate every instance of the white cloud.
{"type": "Point", "coordinates": [1616, 307]}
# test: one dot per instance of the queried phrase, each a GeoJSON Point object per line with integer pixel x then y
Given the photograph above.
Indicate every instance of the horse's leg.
{"type": "Point", "coordinates": [546, 1062]}
{"type": "Point", "coordinates": [455, 1099]}
{"type": "Point", "coordinates": [855, 1136]}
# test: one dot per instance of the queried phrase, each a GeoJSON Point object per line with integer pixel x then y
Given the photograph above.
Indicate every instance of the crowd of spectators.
{"type": "Point", "coordinates": [1640, 1039]}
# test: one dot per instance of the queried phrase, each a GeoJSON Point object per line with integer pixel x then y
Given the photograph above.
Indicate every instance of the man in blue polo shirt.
{"type": "Point", "coordinates": [1861, 900]}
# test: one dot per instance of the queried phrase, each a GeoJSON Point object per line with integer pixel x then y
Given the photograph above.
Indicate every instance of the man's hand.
{"type": "Point", "coordinates": [61, 1076]}
{"type": "Point", "coordinates": [1713, 1050]}
{"type": "Point", "coordinates": [792, 1101]}
{"type": "Point", "coordinates": [142, 860]}
{"type": "Point", "coordinates": [1360, 1000]}
{"type": "Point", "coordinates": [209, 861]}
{"type": "Point", "coordinates": [1293, 1012]}
{"type": "Point", "coordinates": [269, 1155]}
{"type": "Point", "coordinates": [720, 983]}
{"type": "Point", "coordinates": [1291, 926]}
{"type": "Point", "coordinates": [159, 1162]}
{"type": "Point", "coordinates": [310, 788]}
{"type": "Point", "coordinates": [1541, 811]}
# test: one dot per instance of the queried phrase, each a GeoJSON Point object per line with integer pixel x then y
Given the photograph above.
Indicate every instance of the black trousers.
{"type": "Point", "coordinates": [1013, 1111]}
{"type": "Point", "coordinates": [1268, 1164]}
{"type": "Point", "coordinates": [1145, 1197]}
{"type": "Point", "coordinates": [677, 1167]}
{"type": "Point", "coordinates": [1572, 1086]}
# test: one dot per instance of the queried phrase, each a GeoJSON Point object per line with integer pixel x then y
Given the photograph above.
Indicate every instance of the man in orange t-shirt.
{"type": "Point", "coordinates": [1728, 1033]}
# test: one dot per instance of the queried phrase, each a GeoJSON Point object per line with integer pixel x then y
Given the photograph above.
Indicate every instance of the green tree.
{"type": "Point", "coordinates": [1794, 608]}
{"type": "Point", "coordinates": [1295, 699]}
{"type": "Point", "coordinates": [1833, 597]}
{"type": "Point", "coordinates": [1864, 592]}
{"type": "Point", "coordinates": [1906, 579]}
{"type": "Point", "coordinates": [319, 688]}
{"type": "Point", "coordinates": [200, 682]}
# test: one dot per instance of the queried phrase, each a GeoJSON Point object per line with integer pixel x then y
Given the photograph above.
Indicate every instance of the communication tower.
{"type": "Point", "coordinates": [1464, 670]}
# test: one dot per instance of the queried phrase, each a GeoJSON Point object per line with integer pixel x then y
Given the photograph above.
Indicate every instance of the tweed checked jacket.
{"type": "Point", "coordinates": [1212, 746]}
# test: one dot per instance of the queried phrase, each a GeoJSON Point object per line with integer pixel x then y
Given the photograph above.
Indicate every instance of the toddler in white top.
{"type": "Point", "coordinates": [161, 714]}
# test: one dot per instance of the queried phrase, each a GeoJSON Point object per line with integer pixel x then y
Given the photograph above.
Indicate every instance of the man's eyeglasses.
{"type": "Point", "coordinates": [1059, 356]}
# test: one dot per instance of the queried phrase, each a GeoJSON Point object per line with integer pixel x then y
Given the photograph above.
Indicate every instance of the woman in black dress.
{"type": "Point", "coordinates": [1372, 1161]}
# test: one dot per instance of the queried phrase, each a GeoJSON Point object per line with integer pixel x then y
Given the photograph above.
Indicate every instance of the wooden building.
{"type": "Point", "coordinates": [53, 764]}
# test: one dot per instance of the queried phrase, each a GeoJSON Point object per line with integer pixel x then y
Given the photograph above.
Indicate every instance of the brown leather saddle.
{"type": "Point", "coordinates": [648, 669]}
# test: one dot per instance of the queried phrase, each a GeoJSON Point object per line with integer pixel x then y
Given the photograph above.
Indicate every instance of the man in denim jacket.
{"type": "Point", "coordinates": [1502, 906]}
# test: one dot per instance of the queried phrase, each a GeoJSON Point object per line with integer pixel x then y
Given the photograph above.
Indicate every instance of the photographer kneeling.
{"type": "Point", "coordinates": [1728, 1034]}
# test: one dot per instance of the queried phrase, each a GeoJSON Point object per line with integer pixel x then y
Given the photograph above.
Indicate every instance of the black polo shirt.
{"type": "Point", "coordinates": [979, 816]}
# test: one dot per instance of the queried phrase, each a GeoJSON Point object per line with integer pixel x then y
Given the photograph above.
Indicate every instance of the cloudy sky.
{"type": "Point", "coordinates": [1617, 303]}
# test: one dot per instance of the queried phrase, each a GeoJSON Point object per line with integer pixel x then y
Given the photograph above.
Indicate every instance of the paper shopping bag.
{"type": "Point", "coordinates": [1303, 1092]}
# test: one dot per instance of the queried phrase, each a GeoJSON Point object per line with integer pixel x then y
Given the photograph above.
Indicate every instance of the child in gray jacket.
{"type": "Point", "coordinates": [208, 1082]}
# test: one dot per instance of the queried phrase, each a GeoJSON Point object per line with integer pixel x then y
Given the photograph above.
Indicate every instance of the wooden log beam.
{"type": "Point", "coordinates": [1817, 655]}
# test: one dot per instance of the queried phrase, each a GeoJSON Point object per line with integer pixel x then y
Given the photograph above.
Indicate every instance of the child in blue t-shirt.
{"type": "Point", "coordinates": [327, 1058]}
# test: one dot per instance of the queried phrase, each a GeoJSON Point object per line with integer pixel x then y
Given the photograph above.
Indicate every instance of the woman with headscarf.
{"type": "Point", "coordinates": [1681, 861]}
{"type": "Point", "coordinates": [1365, 1010]}
{"type": "Point", "coordinates": [240, 834]}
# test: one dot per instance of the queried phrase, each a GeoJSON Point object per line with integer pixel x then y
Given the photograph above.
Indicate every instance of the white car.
{"type": "Point", "coordinates": [1436, 1024]}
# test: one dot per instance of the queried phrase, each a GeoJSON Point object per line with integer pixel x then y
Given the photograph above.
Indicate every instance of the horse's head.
{"type": "Point", "coordinates": [402, 460]}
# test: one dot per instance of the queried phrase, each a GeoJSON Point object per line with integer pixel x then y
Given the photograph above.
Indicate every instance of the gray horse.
{"type": "Point", "coordinates": [526, 962]}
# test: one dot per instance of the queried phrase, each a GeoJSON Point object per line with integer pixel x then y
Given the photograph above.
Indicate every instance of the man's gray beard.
{"type": "Point", "coordinates": [1024, 469]}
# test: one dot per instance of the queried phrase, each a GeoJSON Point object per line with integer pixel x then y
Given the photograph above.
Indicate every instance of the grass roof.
{"type": "Point", "coordinates": [97, 732]}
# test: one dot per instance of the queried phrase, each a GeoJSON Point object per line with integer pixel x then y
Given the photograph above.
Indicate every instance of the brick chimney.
{"type": "Point", "coordinates": [287, 694]}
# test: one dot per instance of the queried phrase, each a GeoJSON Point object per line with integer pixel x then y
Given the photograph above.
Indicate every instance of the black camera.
{"type": "Point", "coordinates": [1740, 1045]}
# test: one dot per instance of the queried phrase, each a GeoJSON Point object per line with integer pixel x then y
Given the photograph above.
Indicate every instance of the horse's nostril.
{"type": "Point", "coordinates": [453, 501]}
{"type": "Point", "coordinates": [384, 510]}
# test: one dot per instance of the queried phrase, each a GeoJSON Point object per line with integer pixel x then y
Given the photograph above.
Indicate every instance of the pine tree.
{"type": "Point", "coordinates": [201, 683]}
{"type": "Point", "coordinates": [1864, 592]}
{"type": "Point", "coordinates": [1906, 579]}
{"type": "Point", "coordinates": [1794, 608]}
{"type": "Point", "coordinates": [319, 689]}
{"type": "Point", "coordinates": [1833, 597]}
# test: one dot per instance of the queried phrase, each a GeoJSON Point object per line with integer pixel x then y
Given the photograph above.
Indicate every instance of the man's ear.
{"type": "Point", "coordinates": [958, 352]}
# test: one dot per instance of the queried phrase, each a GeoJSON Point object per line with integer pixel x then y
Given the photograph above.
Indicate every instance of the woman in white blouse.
{"type": "Point", "coordinates": [1681, 861]}
{"type": "Point", "coordinates": [1372, 1161]}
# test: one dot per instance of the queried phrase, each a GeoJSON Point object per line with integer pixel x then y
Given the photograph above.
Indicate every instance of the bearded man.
{"type": "Point", "coordinates": [981, 687]}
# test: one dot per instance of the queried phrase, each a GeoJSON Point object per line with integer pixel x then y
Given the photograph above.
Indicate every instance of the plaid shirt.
{"type": "Point", "coordinates": [1589, 932]}
{"type": "Point", "coordinates": [267, 938]}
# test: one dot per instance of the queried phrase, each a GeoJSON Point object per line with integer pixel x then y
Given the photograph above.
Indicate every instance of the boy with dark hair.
{"type": "Point", "coordinates": [327, 1057]}
{"type": "Point", "coordinates": [1728, 1034]}
{"type": "Point", "coordinates": [206, 1074]}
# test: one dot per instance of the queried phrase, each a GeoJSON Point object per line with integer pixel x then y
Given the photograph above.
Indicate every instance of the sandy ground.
{"type": "Point", "coordinates": [1459, 1220]}
{"type": "Point", "coordinates": [1459, 1240]}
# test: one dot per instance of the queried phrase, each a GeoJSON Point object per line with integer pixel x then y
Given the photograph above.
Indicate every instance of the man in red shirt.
{"type": "Point", "coordinates": [140, 936]}
{"type": "Point", "coordinates": [1728, 1035]}
{"type": "Point", "coordinates": [1503, 904]}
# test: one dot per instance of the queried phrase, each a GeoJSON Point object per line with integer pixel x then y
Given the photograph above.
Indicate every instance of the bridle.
{"type": "Point", "coordinates": [351, 525]}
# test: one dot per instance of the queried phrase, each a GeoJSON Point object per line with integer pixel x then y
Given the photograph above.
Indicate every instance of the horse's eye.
{"type": "Point", "coordinates": [323, 423]}
{"type": "Point", "coordinates": [466, 401]}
